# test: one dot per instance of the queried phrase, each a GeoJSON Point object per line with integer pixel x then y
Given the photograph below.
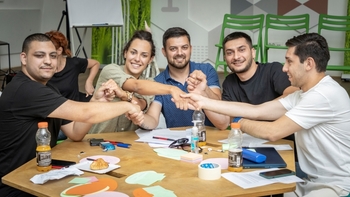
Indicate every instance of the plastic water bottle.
{"type": "Point", "coordinates": [235, 157]}
{"type": "Point", "coordinates": [199, 117]}
{"type": "Point", "coordinates": [194, 138]}
{"type": "Point", "coordinates": [43, 149]}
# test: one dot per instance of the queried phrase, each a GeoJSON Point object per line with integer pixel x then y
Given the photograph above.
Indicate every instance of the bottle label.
{"type": "Point", "coordinates": [43, 158]}
{"type": "Point", "coordinates": [235, 158]}
{"type": "Point", "coordinates": [194, 143]}
{"type": "Point", "coordinates": [202, 136]}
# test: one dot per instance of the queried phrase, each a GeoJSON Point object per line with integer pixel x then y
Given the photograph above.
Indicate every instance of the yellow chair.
{"type": "Point", "coordinates": [334, 26]}
{"type": "Point", "coordinates": [276, 26]}
{"type": "Point", "coordinates": [231, 23]}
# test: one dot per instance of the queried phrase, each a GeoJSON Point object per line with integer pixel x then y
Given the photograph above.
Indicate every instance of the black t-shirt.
{"type": "Point", "coordinates": [67, 80]}
{"type": "Point", "coordinates": [23, 104]}
{"type": "Point", "coordinates": [268, 83]}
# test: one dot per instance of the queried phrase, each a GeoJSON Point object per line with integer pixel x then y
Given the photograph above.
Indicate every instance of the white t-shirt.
{"type": "Point", "coordinates": [324, 143]}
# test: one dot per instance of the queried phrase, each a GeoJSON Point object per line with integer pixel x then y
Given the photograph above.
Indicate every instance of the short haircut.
{"type": "Point", "coordinates": [34, 37]}
{"type": "Point", "coordinates": [311, 45]}
{"type": "Point", "coordinates": [175, 32]}
{"type": "Point", "coordinates": [142, 35]}
{"type": "Point", "coordinates": [237, 35]}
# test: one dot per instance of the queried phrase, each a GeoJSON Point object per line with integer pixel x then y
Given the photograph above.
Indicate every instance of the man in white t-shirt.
{"type": "Point", "coordinates": [318, 114]}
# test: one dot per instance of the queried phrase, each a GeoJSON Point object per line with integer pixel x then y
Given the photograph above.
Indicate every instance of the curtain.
{"type": "Point", "coordinates": [135, 13]}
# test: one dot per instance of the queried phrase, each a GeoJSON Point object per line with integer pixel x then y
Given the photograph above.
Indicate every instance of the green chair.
{"type": "Point", "coordinates": [283, 27]}
{"type": "Point", "coordinates": [334, 27]}
{"type": "Point", "coordinates": [248, 24]}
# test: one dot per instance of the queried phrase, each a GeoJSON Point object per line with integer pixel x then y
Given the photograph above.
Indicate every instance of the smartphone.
{"type": "Point", "coordinates": [56, 163]}
{"type": "Point", "coordinates": [277, 173]}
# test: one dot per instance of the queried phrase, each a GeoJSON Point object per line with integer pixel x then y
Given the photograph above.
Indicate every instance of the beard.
{"type": "Point", "coordinates": [245, 69]}
{"type": "Point", "coordinates": [174, 64]}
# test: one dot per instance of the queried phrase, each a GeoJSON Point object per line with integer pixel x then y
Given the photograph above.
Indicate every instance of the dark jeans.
{"type": "Point", "coordinates": [61, 136]}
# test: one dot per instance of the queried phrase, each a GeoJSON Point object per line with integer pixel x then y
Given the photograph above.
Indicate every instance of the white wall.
{"type": "Point", "coordinates": [50, 13]}
{"type": "Point", "coordinates": [199, 17]}
{"type": "Point", "coordinates": [202, 19]}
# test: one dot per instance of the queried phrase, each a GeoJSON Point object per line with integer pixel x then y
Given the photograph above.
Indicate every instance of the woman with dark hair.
{"type": "Point", "coordinates": [138, 54]}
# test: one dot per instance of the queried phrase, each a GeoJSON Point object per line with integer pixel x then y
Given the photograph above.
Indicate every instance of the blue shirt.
{"type": "Point", "coordinates": [175, 117]}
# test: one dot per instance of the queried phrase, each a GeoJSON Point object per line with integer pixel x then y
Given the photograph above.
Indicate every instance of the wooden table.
{"type": "Point", "coordinates": [181, 177]}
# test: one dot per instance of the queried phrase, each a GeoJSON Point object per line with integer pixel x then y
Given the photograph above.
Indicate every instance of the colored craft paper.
{"type": "Point", "coordinates": [79, 180]}
{"type": "Point", "coordinates": [101, 185]}
{"type": "Point", "coordinates": [83, 180]}
{"type": "Point", "coordinates": [170, 153]}
{"type": "Point", "coordinates": [140, 192]}
{"type": "Point", "coordinates": [107, 158]}
{"type": "Point", "coordinates": [222, 161]}
{"type": "Point", "coordinates": [107, 194]}
{"type": "Point", "coordinates": [159, 191]}
{"type": "Point", "coordinates": [145, 178]}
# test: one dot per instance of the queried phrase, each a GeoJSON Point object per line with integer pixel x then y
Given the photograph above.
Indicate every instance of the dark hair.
{"type": "Point", "coordinates": [175, 32]}
{"type": "Point", "coordinates": [311, 45]}
{"type": "Point", "coordinates": [59, 40]}
{"type": "Point", "coordinates": [237, 35]}
{"type": "Point", "coordinates": [142, 35]}
{"type": "Point", "coordinates": [34, 37]}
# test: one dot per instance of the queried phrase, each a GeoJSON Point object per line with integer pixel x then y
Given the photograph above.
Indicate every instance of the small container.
{"type": "Point", "coordinates": [43, 149]}
{"type": "Point", "coordinates": [235, 156]}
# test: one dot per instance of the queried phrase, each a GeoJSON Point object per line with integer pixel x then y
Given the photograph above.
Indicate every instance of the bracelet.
{"type": "Point", "coordinates": [236, 119]}
{"type": "Point", "coordinates": [129, 96]}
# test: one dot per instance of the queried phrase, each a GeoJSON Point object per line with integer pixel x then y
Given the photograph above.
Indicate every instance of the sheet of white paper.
{"type": "Point", "coordinates": [164, 133]}
{"type": "Point", "coordinates": [250, 141]}
{"type": "Point", "coordinates": [247, 139]}
{"type": "Point", "coordinates": [252, 179]}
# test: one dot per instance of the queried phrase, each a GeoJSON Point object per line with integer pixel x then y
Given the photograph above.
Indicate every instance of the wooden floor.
{"type": "Point", "coordinates": [83, 77]}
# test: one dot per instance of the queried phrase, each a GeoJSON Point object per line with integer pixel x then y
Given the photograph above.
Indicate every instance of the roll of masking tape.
{"type": "Point", "coordinates": [209, 171]}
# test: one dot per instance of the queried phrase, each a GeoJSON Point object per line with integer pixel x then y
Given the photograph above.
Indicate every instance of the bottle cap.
{"type": "Point", "coordinates": [235, 125]}
{"type": "Point", "coordinates": [42, 124]}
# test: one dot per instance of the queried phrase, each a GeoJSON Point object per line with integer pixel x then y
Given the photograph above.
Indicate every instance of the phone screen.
{"type": "Point", "coordinates": [277, 173]}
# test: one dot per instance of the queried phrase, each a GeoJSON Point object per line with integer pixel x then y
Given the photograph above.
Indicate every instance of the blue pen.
{"type": "Point", "coordinates": [122, 145]}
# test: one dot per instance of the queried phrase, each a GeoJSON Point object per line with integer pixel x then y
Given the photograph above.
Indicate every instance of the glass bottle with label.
{"type": "Point", "coordinates": [235, 157]}
{"type": "Point", "coordinates": [43, 149]}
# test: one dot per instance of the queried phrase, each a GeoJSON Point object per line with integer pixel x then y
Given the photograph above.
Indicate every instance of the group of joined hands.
{"type": "Point", "coordinates": [193, 100]}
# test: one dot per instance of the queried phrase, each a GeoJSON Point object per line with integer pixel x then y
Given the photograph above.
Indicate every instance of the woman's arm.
{"type": "Point", "coordinates": [147, 87]}
{"type": "Point", "coordinates": [94, 67]}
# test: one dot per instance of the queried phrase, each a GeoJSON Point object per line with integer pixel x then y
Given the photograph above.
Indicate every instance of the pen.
{"type": "Point", "coordinates": [163, 138]}
{"type": "Point", "coordinates": [116, 143]}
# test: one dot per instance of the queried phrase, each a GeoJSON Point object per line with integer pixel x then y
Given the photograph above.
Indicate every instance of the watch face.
{"type": "Point", "coordinates": [129, 94]}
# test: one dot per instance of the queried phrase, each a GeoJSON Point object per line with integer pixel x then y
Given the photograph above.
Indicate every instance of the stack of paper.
{"type": "Point", "coordinates": [192, 158]}
{"type": "Point", "coordinates": [168, 136]}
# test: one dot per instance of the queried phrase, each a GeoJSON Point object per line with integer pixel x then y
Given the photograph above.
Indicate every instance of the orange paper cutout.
{"type": "Point", "coordinates": [103, 184]}
{"type": "Point", "coordinates": [140, 192]}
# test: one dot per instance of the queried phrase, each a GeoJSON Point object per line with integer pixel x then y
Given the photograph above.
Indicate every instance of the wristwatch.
{"type": "Point", "coordinates": [129, 96]}
{"type": "Point", "coordinates": [236, 119]}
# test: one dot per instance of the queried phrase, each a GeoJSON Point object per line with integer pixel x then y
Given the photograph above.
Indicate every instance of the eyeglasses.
{"type": "Point", "coordinates": [183, 143]}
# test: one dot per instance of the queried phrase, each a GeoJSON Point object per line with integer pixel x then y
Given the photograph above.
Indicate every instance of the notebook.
{"type": "Point", "coordinates": [273, 159]}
